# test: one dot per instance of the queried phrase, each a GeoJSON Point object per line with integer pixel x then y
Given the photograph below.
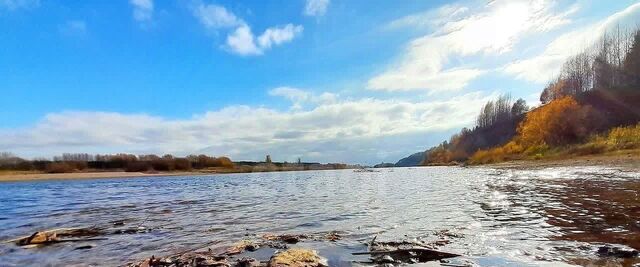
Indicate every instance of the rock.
{"type": "Point", "coordinates": [297, 257]}
{"type": "Point", "coordinates": [618, 251]}
{"type": "Point", "coordinates": [242, 246]}
{"type": "Point", "coordinates": [385, 259]}
{"type": "Point", "coordinates": [38, 238]}
{"type": "Point", "coordinates": [252, 247]}
{"type": "Point", "coordinates": [248, 262]}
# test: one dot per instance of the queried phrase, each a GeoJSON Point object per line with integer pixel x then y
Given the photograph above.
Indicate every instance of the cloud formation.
{"type": "Point", "coordinates": [542, 67]}
{"type": "Point", "coordinates": [240, 39]}
{"type": "Point", "coordinates": [320, 132]}
{"type": "Point", "coordinates": [300, 98]}
{"type": "Point", "coordinates": [456, 33]}
{"type": "Point", "coordinates": [316, 8]}
{"type": "Point", "coordinates": [142, 10]}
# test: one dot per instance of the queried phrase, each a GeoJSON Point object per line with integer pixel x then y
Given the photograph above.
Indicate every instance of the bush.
{"type": "Point", "coordinates": [540, 149]}
{"type": "Point", "coordinates": [588, 149]}
{"type": "Point", "coordinates": [560, 122]}
{"type": "Point", "coordinates": [182, 164]}
{"type": "Point", "coordinates": [59, 167]}
{"type": "Point", "coordinates": [163, 165]}
{"type": "Point", "coordinates": [137, 166]}
{"type": "Point", "coordinates": [624, 137]}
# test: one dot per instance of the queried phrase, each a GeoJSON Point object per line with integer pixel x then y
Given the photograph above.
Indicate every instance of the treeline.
{"type": "Point", "coordinates": [596, 91]}
{"type": "Point", "coordinates": [495, 125]}
{"type": "Point", "coordinates": [69, 162]}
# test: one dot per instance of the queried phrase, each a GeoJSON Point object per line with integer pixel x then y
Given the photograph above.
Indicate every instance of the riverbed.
{"type": "Point", "coordinates": [504, 217]}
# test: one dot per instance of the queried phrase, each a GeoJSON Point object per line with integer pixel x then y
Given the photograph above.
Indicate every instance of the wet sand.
{"type": "Point", "coordinates": [627, 160]}
{"type": "Point", "coordinates": [16, 177]}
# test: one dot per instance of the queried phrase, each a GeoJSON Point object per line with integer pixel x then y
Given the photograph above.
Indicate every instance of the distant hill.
{"type": "Point", "coordinates": [412, 160]}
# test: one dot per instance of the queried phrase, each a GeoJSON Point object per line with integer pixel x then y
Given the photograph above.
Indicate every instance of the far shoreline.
{"type": "Point", "coordinates": [33, 177]}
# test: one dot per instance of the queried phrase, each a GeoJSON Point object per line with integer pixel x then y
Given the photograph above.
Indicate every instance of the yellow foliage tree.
{"type": "Point", "coordinates": [560, 122]}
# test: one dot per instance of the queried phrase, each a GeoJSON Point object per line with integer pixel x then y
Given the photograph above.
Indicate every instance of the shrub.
{"type": "Point", "coordinates": [59, 167]}
{"type": "Point", "coordinates": [560, 122]}
{"type": "Point", "coordinates": [536, 149]}
{"type": "Point", "coordinates": [163, 165]}
{"type": "Point", "coordinates": [624, 137]}
{"type": "Point", "coordinates": [137, 166]}
{"type": "Point", "coordinates": [182, 164]}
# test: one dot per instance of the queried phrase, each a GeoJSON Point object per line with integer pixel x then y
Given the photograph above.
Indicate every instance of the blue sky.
{"type": "Point", "coordinates": [325, 80]}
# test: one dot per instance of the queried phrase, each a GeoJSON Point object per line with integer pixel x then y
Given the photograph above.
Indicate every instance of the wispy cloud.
{"type": "Point", "coordinates": [216, 17]}
{"type": "Point", "coordinates": [18, 4]}
{"type": "Point", "coordinates": [459, 32]}
{"type": "Point", "coordinates": [240, 39]}
{"type": "Point", "coordinates": [316, 8]}
{"type": "Point", "coordinates": [541, 68]}
{"type": "Point", "coordinates": [142, 10]}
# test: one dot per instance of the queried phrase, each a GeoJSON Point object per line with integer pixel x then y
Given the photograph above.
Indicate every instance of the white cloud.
{"type": "Point", "coordinates": [277, 36]}
{"type": "Point", "coordinates": [338, 130]}
{"type": "Point", "coordinates": [18, 4]}
{"type": "Point", "coordinates": [216, 17]}
{"type": "Point", "coordinates": [290, 93]}
{"type": "Point", "coordinates": [241, 39]}
{"type": "Point", "coordinates": [316, 7]}
{"type": "Point", "coordinates": [543, 67]}
{"type": "Point", "coordinates": [142, 10]}
{"type": "Point", "coordinates": [459, 33]}
{"type": "Point", "coordinates": [241, 42]}
{"type": "Point", "coordinates": [73, 27]}
{"type": "Point", "coordinates": [300, 97]}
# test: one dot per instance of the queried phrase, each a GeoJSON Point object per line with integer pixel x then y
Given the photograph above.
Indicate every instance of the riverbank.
{"type": "Point", "coordinates": [624, 159]}
{"type": "Point", "coordinates": [16, 176]}
{"type": "Point", "coordinates": [31, 176]}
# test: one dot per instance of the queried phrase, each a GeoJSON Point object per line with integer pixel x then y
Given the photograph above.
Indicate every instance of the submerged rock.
{"type": "Point", "coordinates": [619, 251]}
{"type": "Point", "coordinates": [405, 252]}
{"type": "Point", "coordinates": [58, 235]}
{"type": "Point", "coordinates": [297, 257]}
{"type": "Point", "coordinates": [38, 238]}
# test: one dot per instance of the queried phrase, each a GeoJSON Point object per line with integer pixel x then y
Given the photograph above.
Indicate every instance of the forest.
{"type": "Point", "coordinates": [591, 107]}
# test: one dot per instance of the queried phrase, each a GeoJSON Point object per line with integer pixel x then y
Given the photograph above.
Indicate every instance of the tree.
{"type": "Point", "coordinates": [632, 61]}
{"type": "Point", "coordinates": [519, 107]}
{"type": "Point", "coordinates": [562, 121]}
{"type": "Point", "coordinates": [268, 159]}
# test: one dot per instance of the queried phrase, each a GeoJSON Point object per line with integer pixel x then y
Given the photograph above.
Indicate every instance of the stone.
{"type": "Point", "coordinates": [247, 262]}
{"type": "Point", "coordinates": [297, 257]}
{"type": "Point", "coordinates": [618, 251]}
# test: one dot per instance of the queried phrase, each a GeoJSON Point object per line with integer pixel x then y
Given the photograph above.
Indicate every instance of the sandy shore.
{"type": "Point", "coordinates": [86, 175]}
{"type": "Point", "coordinates": [629, 160]}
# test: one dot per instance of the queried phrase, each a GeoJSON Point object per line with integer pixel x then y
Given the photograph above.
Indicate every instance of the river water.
{"type": "Point", "coordinates": [498, 217]}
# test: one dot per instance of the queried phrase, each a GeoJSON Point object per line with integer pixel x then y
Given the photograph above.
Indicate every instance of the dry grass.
{"type": "Point", "coordinates": [617, 139]}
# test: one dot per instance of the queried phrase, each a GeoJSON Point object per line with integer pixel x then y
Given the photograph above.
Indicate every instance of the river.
{"type": "Point", "coordinates": [499, 217]}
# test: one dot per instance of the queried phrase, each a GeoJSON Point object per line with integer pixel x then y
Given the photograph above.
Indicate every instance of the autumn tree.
{"type": "Point", "coordinates": [560, 122]}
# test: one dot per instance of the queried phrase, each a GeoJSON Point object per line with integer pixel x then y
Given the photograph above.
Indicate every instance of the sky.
{"type": "Point", "coordinates": [325, 80]}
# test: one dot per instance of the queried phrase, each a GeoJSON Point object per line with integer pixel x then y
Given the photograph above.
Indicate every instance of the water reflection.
{"type": "Point", "coordinates": [498, 217]}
